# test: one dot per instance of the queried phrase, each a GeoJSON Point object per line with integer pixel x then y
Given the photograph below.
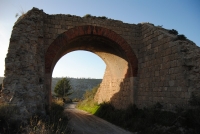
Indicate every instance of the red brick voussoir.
{"type": "Point", "coordinates": [77, 31]}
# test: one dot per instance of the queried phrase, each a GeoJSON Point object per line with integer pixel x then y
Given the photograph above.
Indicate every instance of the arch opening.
{"type": "Point", "coordinates": [80, 64]}
{"type": "Point", "coordinates": [121, 63]}
{"type": "Point", "coordinates": [83, 69]}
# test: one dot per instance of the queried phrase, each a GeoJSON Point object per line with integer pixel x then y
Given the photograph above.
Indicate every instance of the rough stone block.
{"type": "Point", "coordinates": [160, 37]}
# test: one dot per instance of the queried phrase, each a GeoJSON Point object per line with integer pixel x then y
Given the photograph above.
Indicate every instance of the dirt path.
{"type": "Point", "coordinates": [85, 123]}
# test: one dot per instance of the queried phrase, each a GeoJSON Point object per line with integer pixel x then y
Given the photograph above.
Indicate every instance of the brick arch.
{"type": "Point", "coordinates": [71, 34]}
{"type": "Point", "coordinates": [30, 62]}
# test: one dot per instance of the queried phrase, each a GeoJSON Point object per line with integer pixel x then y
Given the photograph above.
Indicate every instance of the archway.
{"type": "Point", "coordinates": [121, 62]}
{"type": "Point", "coordinates": [80, 64]}
{"type": "Point", "coordinates": [83, 69]}
{"type": "Point", "coordinates": [38, 40]}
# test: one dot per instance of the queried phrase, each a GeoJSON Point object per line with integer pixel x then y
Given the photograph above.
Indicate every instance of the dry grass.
{"type": "Point", "coordinates": [55, 122]}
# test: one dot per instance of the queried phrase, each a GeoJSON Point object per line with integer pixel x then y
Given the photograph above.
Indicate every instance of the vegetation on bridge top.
{"type": "Point", "coordinates": [178, 37]}
{"type": "Point", "coordinates": [90, 16]}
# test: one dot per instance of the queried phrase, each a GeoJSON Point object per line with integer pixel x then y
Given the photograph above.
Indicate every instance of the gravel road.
{"type": "Point", "coordinates": [84, 123]}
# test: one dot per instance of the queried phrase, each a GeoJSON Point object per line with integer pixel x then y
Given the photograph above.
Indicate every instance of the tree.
{"type": "Point", "coordinates": [62, 88]}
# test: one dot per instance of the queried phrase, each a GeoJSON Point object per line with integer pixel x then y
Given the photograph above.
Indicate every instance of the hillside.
{"type": "Point", "coordinates": [79, 85]}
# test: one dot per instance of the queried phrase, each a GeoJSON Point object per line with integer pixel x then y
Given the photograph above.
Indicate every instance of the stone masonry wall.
{"type": "Point", "coordinates": [168, 69]}
{"type": "Point", "coordinates": [116, 91]}
{"type": "Point", "coordinates": [162, 76]}
{"type": "Point", "coordinates": [57, 24]}
{"type": "Point", "coordinates": [191, 66]}
{"type": "Point", "coordinates": [23, 84]}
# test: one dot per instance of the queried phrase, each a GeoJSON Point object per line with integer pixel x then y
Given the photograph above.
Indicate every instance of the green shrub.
{"type": "Point", "coordinates": [103, 17]}
{"type": "Point", "coordinates": [181, 37]}
{"type": "Point", "coordinates": [89, 94]}
{"type": "Point", "coordinates": [173, 32]}
{"type": "Point", "coordinates": [87, 16]}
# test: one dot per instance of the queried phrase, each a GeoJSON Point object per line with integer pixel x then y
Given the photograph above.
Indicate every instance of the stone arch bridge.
{"type": "Point", "coordinates": [144, 63]}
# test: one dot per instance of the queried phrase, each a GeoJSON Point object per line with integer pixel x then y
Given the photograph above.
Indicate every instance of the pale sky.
{"type": "Point", "coordinates": [182, 15]}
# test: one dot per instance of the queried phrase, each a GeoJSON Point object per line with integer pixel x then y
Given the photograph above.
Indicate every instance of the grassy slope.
{"type": "Point", "coordinates": [88, 103]}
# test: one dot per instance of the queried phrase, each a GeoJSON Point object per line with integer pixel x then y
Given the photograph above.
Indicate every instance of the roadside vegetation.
{"type": "Point", "coordinates": [56, 122]}
{"type": "Point", "coordinates": [153, 120]}
{"type": "Point", "coordinates": [88, 104]}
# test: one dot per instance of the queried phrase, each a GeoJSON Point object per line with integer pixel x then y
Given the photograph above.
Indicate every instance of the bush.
{"type": "Point", "coordinates": [7, 123]}
{"type": "Point", "coordinates": [54, 123]}
{"type": "Point", "coordinates": [89, 94]}
{"type": "Point", "coordinates": [173, 32]}
{"type": "Point", "coordinates": [103, 17]}
{"type": "Point", "coordinates": [87, 16]}
{"type": "Point", "coordinates": [181, 37]}
{"type": "Point", "coordinates": [151, 120]}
